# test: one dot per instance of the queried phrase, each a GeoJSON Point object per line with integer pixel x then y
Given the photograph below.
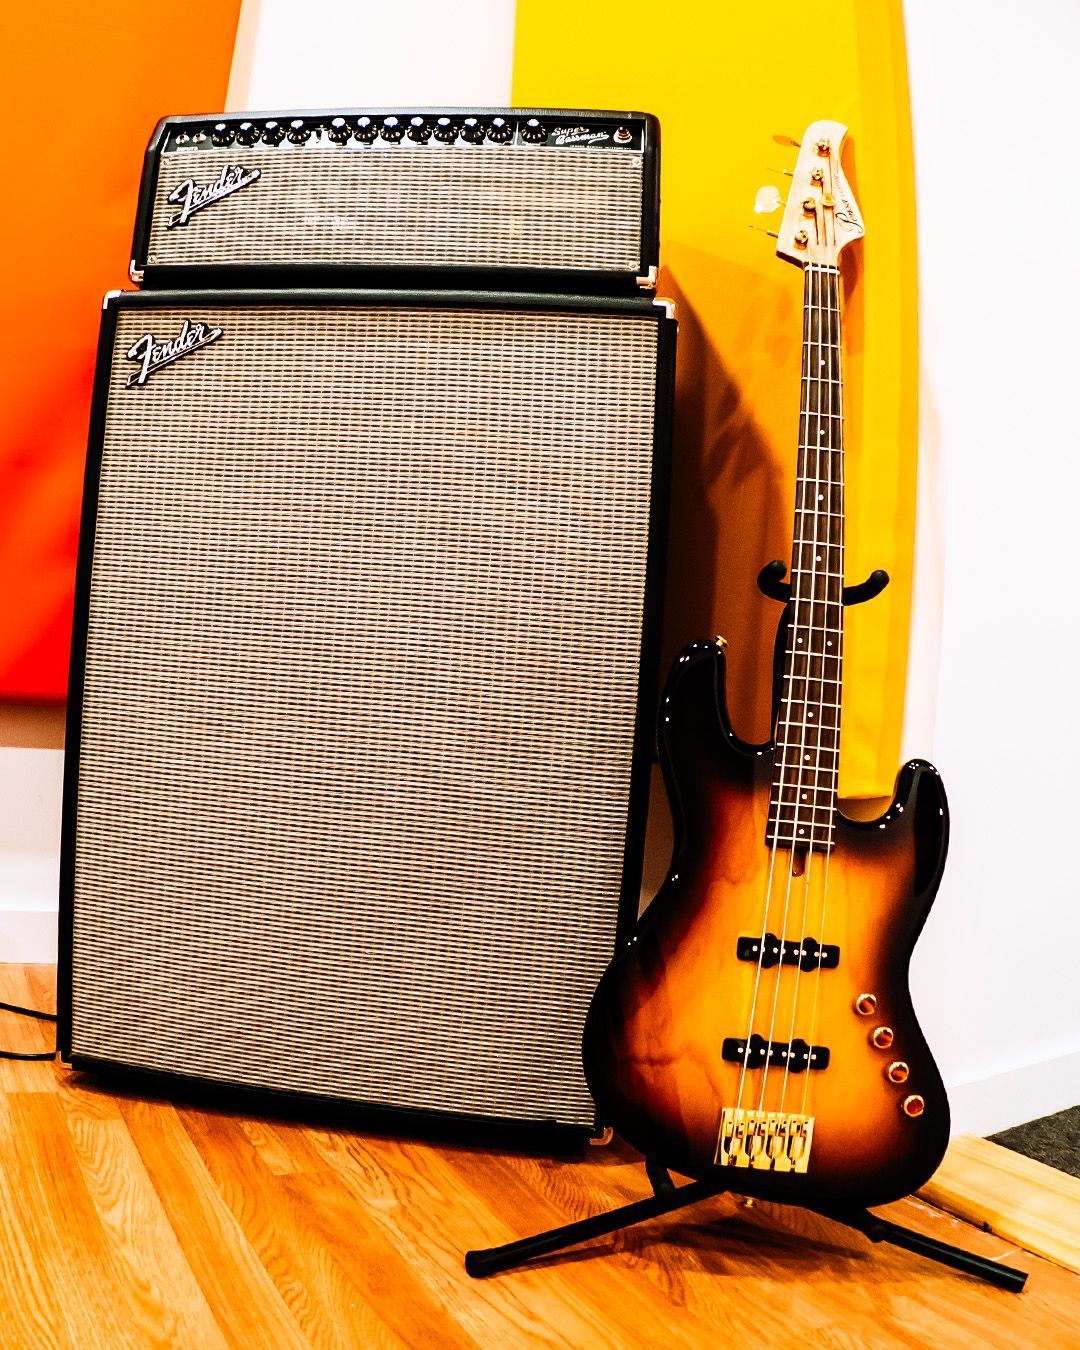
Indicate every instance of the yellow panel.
{"type": "Point", "coordinates": [723, 79]}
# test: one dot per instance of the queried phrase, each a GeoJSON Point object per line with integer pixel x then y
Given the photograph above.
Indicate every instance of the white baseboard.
{"type": "Point", "coordinates": [29, 886]}
{"type": "Point", "coordinates": [988, 1105]}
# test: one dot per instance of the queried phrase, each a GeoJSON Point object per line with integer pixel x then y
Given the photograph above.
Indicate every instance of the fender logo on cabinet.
{"type": "Point", "coordinates": [153, 355]}
{"type": "Point", "coordinates": [192, 197]}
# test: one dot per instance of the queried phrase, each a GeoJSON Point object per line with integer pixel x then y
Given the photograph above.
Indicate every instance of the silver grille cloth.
{"type": "Point", "coordinates": [434, 206]}
{"type": "Point", "coordinates": [361, 669]}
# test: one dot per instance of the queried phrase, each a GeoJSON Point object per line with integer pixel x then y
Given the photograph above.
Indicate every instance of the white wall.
{"type": "Point", "coordinates": [31, 779]}
{"type": "Point", "coordinates": [995, 110]}
{"type": "Point", "coordinates": [427, 53]}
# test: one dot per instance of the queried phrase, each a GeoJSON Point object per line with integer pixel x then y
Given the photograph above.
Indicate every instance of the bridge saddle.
{"type": "Point", "coordinates": [772, 1141]}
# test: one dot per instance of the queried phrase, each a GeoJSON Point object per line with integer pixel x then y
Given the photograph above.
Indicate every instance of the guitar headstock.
{"type": "Point", "coordinates": [821, 216]}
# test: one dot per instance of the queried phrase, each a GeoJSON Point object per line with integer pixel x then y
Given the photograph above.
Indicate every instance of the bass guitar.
{"type": "Point", "coordinates": [758, 1024]}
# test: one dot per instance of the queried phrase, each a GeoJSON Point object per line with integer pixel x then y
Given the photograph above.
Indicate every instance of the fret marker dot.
{"type": "Point", "coordinates": [828, 644]}
{"type": "Point", "coordinates": [809, 714]}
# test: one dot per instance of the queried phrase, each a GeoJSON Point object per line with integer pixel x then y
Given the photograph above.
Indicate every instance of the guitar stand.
{"type": "Point", "coordinates": [667, 1197]}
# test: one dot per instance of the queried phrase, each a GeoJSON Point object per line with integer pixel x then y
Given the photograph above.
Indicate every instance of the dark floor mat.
{"type": "Point", "coordinates": [1054, 1140]}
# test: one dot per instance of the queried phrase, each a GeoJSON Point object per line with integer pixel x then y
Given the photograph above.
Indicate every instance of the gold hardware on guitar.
{"type": "Point", "coordinates": [770, 1141]}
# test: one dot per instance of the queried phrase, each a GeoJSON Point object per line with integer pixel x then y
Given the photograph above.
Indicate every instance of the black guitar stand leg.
{"type": "Point", "coordinates": [667, 1197]}
{"type": "Point", "coordinates": [882, 1230]}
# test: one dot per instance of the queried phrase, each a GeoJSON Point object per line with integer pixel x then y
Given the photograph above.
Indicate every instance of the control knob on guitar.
{"type": "Point", "coordinates": [758, 1022]}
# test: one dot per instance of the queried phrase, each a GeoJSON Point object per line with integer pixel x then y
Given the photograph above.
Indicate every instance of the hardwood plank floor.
{"type": "Point", "coordinates": [131, 1221]}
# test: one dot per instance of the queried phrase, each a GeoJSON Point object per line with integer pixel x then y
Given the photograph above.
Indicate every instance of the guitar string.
{"type": "Point", "coordinates": [835, 576]}
{"type": "Point", "coordinates": [835, 281]}
{"type": "Point", "coordinates": [772, 854]}
{"type": "Point", "coordinates": [799, 581]}
{"type": "Point", "coordinates": [813, 380]}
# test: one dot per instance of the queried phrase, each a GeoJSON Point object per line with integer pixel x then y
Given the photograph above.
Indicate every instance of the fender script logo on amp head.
{"type": "Point", "coordinates": [191, 196]}
{"type": "Point", "coordinates": [152, 355]}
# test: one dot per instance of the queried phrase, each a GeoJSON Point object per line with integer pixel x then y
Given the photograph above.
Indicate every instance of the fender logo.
{"type": "Point", "coordinates": [191, 197]}
{"type": "Point", "coordinates": [152, 355]}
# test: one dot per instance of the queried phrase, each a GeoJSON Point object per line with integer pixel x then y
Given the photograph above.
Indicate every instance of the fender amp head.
{"type": "Point", "coordinates": [503, 198]}
{"type": "Point", "coordinates": [362, 692]}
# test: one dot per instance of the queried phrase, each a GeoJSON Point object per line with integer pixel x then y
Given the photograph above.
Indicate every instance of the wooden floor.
{"type": "Point", "coordinates": [130, 1222]}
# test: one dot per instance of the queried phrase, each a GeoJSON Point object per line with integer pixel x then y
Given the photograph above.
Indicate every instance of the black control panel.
{"type": "Point", "coordinates": [410, 129]}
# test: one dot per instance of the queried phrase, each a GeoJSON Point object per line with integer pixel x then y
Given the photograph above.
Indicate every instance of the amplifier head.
{"type": "Point", "coordinates": [506, 198]}
{"type": "Point", "coordinates": [362, 691]}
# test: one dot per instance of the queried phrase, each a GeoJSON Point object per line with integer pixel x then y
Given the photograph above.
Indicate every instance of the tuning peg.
{"type": "Point", "coordinates": [788, 140]}
{"type": "Point", "coordinates": [768, 199]}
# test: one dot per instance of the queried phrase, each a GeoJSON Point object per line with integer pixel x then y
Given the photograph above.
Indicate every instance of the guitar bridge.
{"type": "Point", "coordinates": [771, 1141]}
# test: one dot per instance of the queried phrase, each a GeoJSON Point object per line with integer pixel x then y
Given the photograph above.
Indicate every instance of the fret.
{"type": "Point", "coordinates": [805, 813]}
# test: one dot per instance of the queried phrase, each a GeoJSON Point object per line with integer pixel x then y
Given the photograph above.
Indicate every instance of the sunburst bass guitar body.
{"type": "Point", "coordinates": [655, 1035]}
{"type": "Point", "coordinates": [757, 1026]}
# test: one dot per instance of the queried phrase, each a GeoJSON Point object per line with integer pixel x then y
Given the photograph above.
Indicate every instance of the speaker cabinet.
{"type": "Point", "coordinates": [362, 692]}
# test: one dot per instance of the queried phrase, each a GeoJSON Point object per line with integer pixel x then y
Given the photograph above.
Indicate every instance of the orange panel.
{"type": "Point", "coordinates": [724, 78]}
{"type": "Point", "coordinates": [82, 87]}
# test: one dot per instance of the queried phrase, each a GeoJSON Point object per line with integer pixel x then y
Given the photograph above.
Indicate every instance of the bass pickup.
{"type": "Point", "coordinates": [807, 954]}
{"type": "Point", "coordinates": [795, 1056]}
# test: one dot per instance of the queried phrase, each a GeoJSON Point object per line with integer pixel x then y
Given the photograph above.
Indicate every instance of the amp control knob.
{"type": "Point", "coordinates": [247, 133]}
{"type": "Point", "coordinates": [500, 130]}
{"type": "Point", "coordinates": [391, 129]}
{"type": "Point", "coordinates": [200, 138]}
{"type": "Point", "coordinates": [533, 131]}
{"type": "Point", "coordinates": [471, 130]}
{"type": "Point", "coordinates": [419, 130]}
{"type": "Point", "coordinates": [339, 131]}
{"type": "Point", "coordinates": [445, 130]}
{"type": "Point", "coordinates": [366, 130]}
{"type": "Point", "coordinates": [298, 133]}
{"type": "Point", "coordinates": [623, 136]}
{"type": "Point", "coordinates": [273, 133]}
{"type": "Point", "coordinates": [222, 134]}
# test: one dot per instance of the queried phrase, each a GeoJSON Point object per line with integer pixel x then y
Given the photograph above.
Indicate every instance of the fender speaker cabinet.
{"type": "Point", "coordinates": [501, 199]}
{"type": "Point", "coordinates": [362, 692]}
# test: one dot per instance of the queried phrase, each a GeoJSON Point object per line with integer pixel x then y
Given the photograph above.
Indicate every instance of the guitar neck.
{"type": "Point", "coordinates": [807, 732]}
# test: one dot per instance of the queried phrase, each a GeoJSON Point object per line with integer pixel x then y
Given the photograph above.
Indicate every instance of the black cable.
{"type": "Point", "coordinates": [27, 1012]}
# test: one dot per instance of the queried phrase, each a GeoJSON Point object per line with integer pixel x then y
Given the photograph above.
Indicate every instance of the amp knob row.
{"type": "Point", "coordinates": [366, 130]}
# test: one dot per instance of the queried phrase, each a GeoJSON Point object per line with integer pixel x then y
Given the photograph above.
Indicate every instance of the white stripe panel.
{"type": "Point", "coordinates": [999, 478]}
{"type": "Point", "coordinates": [340, 53]}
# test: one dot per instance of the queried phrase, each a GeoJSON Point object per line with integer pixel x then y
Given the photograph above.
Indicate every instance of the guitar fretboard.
{"type": "Point", "coordinates": [807, 733]}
